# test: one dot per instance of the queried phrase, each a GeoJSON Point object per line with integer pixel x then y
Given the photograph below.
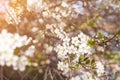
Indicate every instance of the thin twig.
{"type": "Point", "coordinates": [5, 78]}
{"type": "Point", "coordinates": [51, 76]}
{"type": "Point", "coordinates": [46, 74]}
{"type": "Point", "coordinates": [61, 78]}
{"type": "Point", "coordinates": [35, 76]}
{"type": "Point", "coordinates": [11, 15]}
{"type": "Point", "coordinates": [104, 42]}
{"type": "Point", "coordinates": [1, 75]}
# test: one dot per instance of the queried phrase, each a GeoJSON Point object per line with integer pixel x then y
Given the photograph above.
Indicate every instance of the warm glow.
{"type": "Point", "coordinates": [59, 39]}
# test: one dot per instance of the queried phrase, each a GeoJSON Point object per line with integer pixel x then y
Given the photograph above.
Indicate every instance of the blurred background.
{"type": "Point", "coordinates": [36, 27]}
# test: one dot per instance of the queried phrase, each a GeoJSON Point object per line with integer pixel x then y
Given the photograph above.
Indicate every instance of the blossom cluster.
{"type": "Point", "coordinates": [9, 42]}
{"type": "Point", "coordinates": [88, 76]}
{"type": "Point", "coordinates": [75, 46]}
{"type": "Point", "coordinates": [35, 5]}
{"type": "Point", "coordinates": [78, 7]}
{"type": "Point", "coordinates": [59, 21]}
{"type": "Point", "coordinates": [63, 10]}
{"type": "Point", "coordinates": [99, 68]}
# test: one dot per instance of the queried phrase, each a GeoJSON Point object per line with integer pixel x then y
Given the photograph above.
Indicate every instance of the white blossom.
{"type": "Point", "coordinates": [78, 7]}
{"type": "Point", "coordinates": [2, 60]}
{"type": "Point", "coordinates": [63, 67]}
{"type": "Point", "coordinates": [75, 46]}
{"type": "Point", "coordinates": [64, 4]}
{"type": "Point", "coordinates": [75, 41]}
{"type": "Point", "coordinates": [48, 48]}
{"type": "Point", "coordinates": [9, 42]}
{"type": "Point", "coordinates": [66, 41]}
{"type": "Point", "coordinates": [22, 63]}
{"type": "Point", "coordinates": [100, 68]}
{"type": "Point", "coordinates": [45, 14]}
{"type": "Point", "coordinates": [59, 33]}
{"type": "Point", "coordinates": [76, 78]}
{"type": "Point", "coordinates": [62, 52]}
{"type": "Point", "coordinates": [12, 61]}
{"type": "Point", "coordinates": [30, 51]}
{"type": "Point", "coordinates": [88, 76]}
{"type": "Point", "coordinates": [84, 76]}
{"type": "Point", "coordinates": [34, 5]}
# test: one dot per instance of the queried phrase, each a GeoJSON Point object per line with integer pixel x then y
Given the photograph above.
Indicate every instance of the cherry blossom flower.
{"type": "Point", "coordinates": [9, 42]}
{"type": "Point", "coordinates": [78, 7]}
{"type": "Point", "coordinates": [100, 68]}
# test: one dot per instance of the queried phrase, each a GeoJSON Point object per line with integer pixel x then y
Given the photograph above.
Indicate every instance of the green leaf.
{"type": "Point", "coordinates": [91, 23]}
{"type": "Point", "coordinates": [75, 66]}
{"type": "Point", "coordinates": [93, 66]}
{"type": "Point", "coordinates": [93, 61]}
{"type": "Point", "coordinates": [91, 43]}
{"type": "Point", "coordinates": [80, 59]}
{"type": "Point", "coordinates": [87, 62]}
{"type": "Point", "coordinates": [100, 35]}
{"type": "Point", "coordinates": [16, 51]}
{"type": "Point", "coordinates": [118, 32]}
